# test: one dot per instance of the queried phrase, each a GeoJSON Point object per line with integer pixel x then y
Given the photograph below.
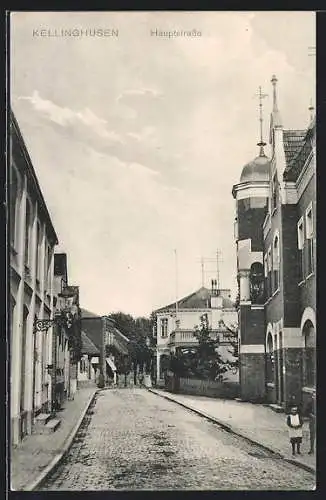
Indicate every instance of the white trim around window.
{"type": "Point", "coordinates": [300, 233]}
{"type": "Point", "coordinates": [309, 216]}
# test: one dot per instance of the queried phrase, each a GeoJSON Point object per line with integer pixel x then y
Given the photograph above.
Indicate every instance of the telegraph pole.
{"type": "Point", "coordinates": [202, 272]}
{"type": "Point", "coordinates": [176, 288]}
{"type": "Point", "coordinates": [217, 269]}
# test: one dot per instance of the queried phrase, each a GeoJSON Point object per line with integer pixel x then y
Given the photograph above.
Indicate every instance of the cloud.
{"type": "Point", "coordinates": [147, 153]}
{"type": "Point", "coordinates": [143, 92]}
{"type": "Point", "coordinates": [66, 117]}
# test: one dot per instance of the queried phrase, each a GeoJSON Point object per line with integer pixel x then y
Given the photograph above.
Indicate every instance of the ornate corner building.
{"type": "Point", "coordinates": [276, 261]}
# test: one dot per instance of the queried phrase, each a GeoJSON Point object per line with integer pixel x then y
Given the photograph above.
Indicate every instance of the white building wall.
{"type": "Point", "coordinates": [25, 293]}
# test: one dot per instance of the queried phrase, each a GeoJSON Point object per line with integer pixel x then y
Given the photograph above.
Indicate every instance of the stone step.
{"type": "Point", "coordinates": [51, 426]}
{"type": "Point", "coordinates": [42, 419]}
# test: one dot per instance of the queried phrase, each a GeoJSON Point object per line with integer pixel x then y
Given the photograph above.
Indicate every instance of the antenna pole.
{"type": "Point", "coordinates": [217, 269]}
{"type": "Point", "coordinates": [202, 272]}
{"type": "Point", "coordinates": [176, 285]}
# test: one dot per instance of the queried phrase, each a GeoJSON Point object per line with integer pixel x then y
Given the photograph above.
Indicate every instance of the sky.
{"type": "Point", "coordinates": [137, 139]}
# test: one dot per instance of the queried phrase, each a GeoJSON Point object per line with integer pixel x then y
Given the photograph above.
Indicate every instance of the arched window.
{"type": "Point", "coordinates": [257, 295]}
{"type": "Point", "coordinates": [28, 224]}
{"type": "Point", "coordinates": [13, 204]}
{"type": "Point", "coordinates": [309, 358]}
{"type": "Point", "coordinates": [276, 263]}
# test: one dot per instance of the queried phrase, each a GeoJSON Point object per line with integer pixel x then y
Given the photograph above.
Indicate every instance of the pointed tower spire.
{"type": "Point", "coordinates": [261, 143]}
{"type": "Point", "coordinates": [277, 122]}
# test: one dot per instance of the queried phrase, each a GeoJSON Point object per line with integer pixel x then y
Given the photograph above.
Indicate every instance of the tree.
{"type": "Point", "coordinates": [138, 330]}
{"type": "Point", "coordinates": [202, 361]}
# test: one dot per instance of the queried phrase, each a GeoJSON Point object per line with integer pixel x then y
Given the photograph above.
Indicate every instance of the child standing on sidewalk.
{"type": "Point", "coordinates": [295, 422]}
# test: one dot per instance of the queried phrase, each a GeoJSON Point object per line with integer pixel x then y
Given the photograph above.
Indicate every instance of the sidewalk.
{"type": "Point", "coordinates": [253, 421]}
{"type": "Point", "coordinates": [30, 460]}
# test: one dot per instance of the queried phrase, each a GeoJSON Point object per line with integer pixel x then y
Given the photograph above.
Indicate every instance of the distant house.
{"type": "Point", "coordinates": [89, 363]}
{"type": "Point", "coordinates": [175, 325]}
{"type": "Point", "coordinates": [92, 327]}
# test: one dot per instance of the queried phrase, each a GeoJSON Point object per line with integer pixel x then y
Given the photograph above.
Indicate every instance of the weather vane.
{"type": "Point", "coordinates": [261, 143]}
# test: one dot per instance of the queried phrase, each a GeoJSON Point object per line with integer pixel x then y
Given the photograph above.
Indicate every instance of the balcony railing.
{"type": "Point", "coordinates": [186, 337]}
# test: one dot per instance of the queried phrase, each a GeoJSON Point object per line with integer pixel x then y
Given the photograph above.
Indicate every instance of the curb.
{"type": "Point", "coordinates": [231, 429]}
{"type": "Point", "coordinates": [67, 444]}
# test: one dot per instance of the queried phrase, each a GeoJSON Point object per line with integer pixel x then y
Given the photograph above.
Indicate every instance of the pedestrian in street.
{"type": "Point", "coordinates": [312, 425]}
{"type": "Point", "coordinates": [294, 422]}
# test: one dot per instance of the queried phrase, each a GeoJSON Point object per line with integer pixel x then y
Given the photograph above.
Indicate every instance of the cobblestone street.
{"type": "Point", "coordinates": [132, 439]}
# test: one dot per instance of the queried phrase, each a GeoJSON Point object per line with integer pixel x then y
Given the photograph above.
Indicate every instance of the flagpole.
{"type": "Point", "coordinates": [176, 286]}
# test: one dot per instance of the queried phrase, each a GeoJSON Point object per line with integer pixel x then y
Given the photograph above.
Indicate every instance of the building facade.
{"type": "Point", "coordinates": [175, 323]}
{"type": "Point", "coordinates": [277, 237]}
{"type": "Point", "coordinates": [32, 240]}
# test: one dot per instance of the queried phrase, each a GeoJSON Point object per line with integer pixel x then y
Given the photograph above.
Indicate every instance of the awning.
{"type": "Point", "coordinates": [111, 364]}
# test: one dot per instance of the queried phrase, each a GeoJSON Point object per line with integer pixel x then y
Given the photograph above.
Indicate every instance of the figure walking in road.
{"type": "Point", "coordinates": [312, 425]}
{"type": "Point", "coordinates": [295, 422]}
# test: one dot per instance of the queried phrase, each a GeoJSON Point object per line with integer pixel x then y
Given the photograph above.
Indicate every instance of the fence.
{"type": "Point", "coordinates": [214, 389]}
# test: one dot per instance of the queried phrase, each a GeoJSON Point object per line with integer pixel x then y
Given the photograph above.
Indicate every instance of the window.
{"type": "Point", "coordinates": [23, 359]}
{"type": "Point", "coordinates": [276, 263]}
{"type": "Point", "coordinates": [300, 232]}
{"type": "Point", "coordinates": [164, 327]}
{"type": "Point", "coordinates": [266, 275]}
{"type": "Point", "coordinates": [38, 250]}
{"type": "Point", "coordinates": [13, 204]}
{"type": "Point", "coordinates": [28, 223]}
{"type": "Point", "coordinates": [269, 274]}
{"type": "Point", "coordinates": [47, 268]}
{"type": "Point", "coordinates": [274, 192]}
{"type": "Point", "coordinates": [309, 236]}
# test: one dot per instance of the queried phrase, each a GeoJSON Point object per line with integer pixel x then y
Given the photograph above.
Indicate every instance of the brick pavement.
{"type": "Point", "coordinates": [35, 452]}
{"type": "Point", "coordinates": [132, 439]}
{"type": "Point", "coordinates": [255, 421]}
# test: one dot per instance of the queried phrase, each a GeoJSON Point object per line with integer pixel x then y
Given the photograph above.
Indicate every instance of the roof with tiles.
{"type": "Point", "coordinates": [199, 300]}
{"type": "Point", "coordinates": [293, 142]}
{"type": "Point", "coordinates": [92, 327]}
{"type": "Point", "coordinates": [88, 347]}
{"type": "Point", "coordinates": [297, 148]}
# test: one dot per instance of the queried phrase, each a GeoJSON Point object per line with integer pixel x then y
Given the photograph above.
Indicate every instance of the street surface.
{"type": "Point", "coordinates": [132, 439]}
